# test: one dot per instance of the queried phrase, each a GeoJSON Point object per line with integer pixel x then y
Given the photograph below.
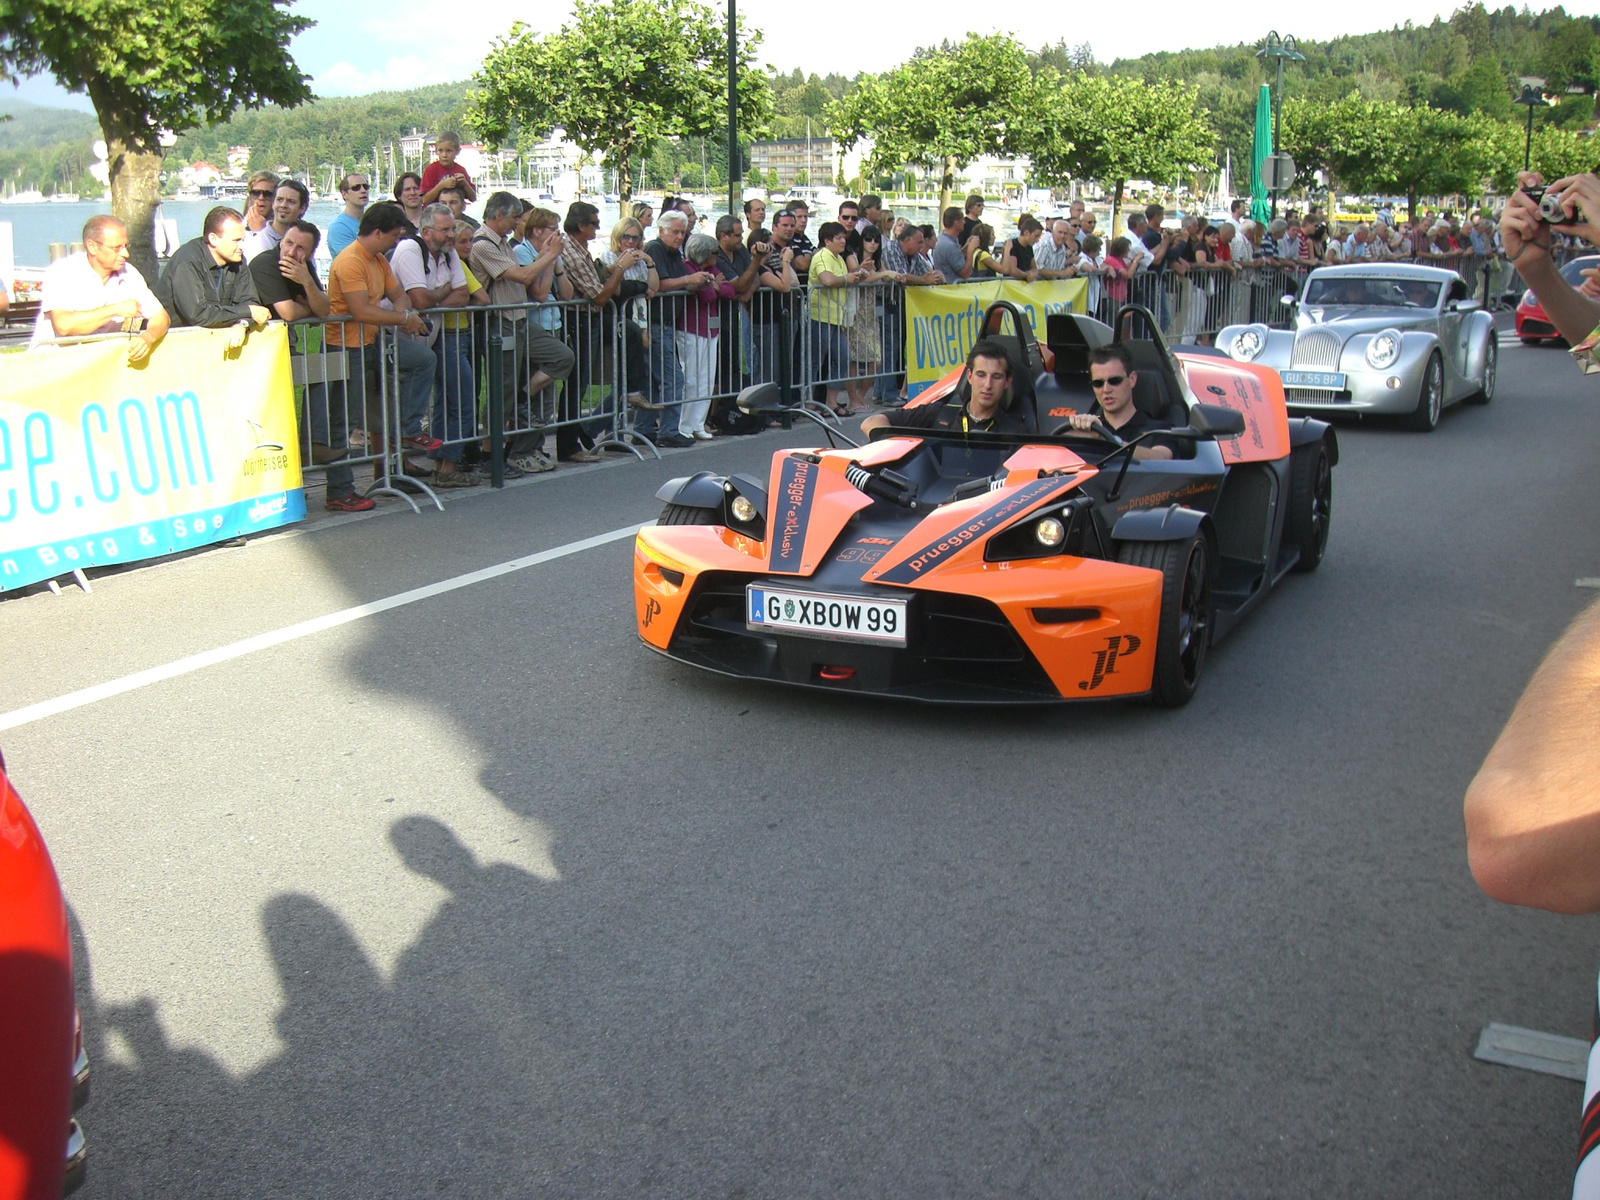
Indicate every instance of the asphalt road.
{"type": "Point", "coordinates": [476, 897]}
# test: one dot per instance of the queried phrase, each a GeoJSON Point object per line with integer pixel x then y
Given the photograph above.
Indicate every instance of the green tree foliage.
{"type": "Point", "coordinates": [48, 149]}
{"type": "Point", "coordinates": [1556, 154]}
{"type": "Point", "coordinates": [1376, 147]}
{"type": "Point", "coordinates": [942, 109]}
{"type": "Point", "coordinates": [1115, 128]}
{"type": "Point", "coordinates": [154, 67]}
{"type": "Point", "coordinates": [336, 132]}
{"type": "Point", "coordinates": [618, 79]}
{"type": "Point", "coordinates": [1451, 64]}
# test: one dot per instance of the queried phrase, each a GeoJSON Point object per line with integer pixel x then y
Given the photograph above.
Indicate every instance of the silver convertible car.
{"type": "Point", "coordinates": [1377, 338]}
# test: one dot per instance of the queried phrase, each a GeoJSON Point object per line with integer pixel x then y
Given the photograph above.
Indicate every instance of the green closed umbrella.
{"type": "Point", "coordinates": [1260, 203]}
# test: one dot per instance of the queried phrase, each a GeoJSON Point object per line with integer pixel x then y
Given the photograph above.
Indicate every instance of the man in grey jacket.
{"type": "Point", "coordinates": [207, 282]}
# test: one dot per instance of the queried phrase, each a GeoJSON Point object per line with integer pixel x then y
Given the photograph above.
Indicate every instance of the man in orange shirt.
{"type": "Point", "coordinates": [359, 281]}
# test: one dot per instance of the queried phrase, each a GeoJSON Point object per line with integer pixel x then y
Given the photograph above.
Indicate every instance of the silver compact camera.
{"type": "Point", "coordinates": [1550, 210]}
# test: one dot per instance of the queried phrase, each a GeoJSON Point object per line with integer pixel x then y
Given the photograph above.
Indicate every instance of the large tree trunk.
{"type": "Point", "coordinates": [135, 193]}
{"type": "Point", "coordinates": [1116, 209]}
{"type": "Point", "coordinates": [947, 188]}
{"type": "Point", "coordinates": [624, 178]}
{"type": "Point", "coordinates": [1411, 204]}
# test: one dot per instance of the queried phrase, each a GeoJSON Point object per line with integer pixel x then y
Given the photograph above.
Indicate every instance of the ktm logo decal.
{"type": "Point", "coordinates": [1063, 412]}
{"type": "Point", "coordinates": [875, 541]}
{"type": "Point", "coordinates": [1105, 661]}
{"type": "Point", "coordinates": [652, 606]}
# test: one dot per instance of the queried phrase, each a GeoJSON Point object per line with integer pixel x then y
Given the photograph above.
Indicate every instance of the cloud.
{"type": "Point", "coordinates": [398, 74]}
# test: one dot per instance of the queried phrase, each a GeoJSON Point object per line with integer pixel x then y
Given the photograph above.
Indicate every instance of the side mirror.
{"type": "Point", "coordinates": [760, 398]}
{"type": "Point", "coordinates": [1216, 420]}
{"type": "Point", "coordinates": [1287, 300]}
{"type": "Point", "coordinates": [1464, 306]}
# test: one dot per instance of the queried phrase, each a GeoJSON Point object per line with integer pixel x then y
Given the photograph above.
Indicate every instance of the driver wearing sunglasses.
{"type": "Point", "coordinates": [1112, 376]}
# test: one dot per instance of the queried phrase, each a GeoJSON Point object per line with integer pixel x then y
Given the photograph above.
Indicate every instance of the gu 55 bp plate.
{"type": "Point", "coordinates": [1333, 380]}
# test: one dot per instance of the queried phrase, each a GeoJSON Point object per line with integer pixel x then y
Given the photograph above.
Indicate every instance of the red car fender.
{"type": "Point", "coordinates": [36, 1010]}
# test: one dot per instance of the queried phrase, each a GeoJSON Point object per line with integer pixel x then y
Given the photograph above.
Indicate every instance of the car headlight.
{"type": "Point", "coordinates": [1383, 349]}
{"type": "Point", "coordinates": [744, 511]}
{"type": "Point", "coordinates": [1049, 532]}
{"type": "Point", "coordinates": [1248, 343]}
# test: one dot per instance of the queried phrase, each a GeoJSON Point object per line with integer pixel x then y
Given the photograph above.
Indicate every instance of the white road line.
{"type": "Point", "coordinates": [290, 633]}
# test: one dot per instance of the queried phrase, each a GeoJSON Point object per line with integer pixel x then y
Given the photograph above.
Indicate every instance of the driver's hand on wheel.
{"type": "Point", "coordinates": [1083, 421]}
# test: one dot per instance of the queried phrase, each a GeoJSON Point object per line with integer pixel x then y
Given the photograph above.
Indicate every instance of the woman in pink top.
{"type": "Point", "coordinates": [696, 334]}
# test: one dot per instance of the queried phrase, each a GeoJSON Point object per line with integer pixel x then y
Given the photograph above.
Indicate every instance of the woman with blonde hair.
{"type": "Point", "coordinates": [625, 253]}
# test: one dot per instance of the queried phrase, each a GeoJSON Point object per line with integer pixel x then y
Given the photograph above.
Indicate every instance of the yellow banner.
{"type": "Point", "coordinates": [942, 322]}
{"type": "Point", "coordinates": [104, 462]}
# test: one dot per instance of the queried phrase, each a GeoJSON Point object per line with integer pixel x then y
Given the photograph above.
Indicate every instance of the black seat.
{"type": "Point", "coordinates": [1022, 351]}
{"type": "Point", "coordinates": [1154, 393]}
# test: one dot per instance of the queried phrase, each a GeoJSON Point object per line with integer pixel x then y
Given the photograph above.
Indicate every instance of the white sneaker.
{"type": "Point", "coordinates": [533, 464]}
{"type": "Point", "coordinates": [701, 435]}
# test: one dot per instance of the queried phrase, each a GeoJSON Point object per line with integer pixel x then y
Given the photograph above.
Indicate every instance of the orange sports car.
{"type": "Point", "coordinates": [972, 567]}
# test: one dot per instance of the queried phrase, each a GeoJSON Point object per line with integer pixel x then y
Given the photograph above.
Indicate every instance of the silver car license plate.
{"type": "Point", "coordinates": [823, 615]}
{"type": "Point", "coordinates": [1332, 380]}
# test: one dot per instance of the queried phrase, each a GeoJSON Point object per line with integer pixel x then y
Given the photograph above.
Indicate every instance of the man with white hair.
{"type": "Point", "coordinates": [1057, 256]}
{"type": "Point", "coordinates": [1358, 246]}
{"type": "Point", "coordinates": [661, 425]}
{"type": "Point", "coordinates": [1243, 249]}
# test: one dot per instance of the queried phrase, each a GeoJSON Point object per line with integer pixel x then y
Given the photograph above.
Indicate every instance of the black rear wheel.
{"type": "Point", "coordinates": [1491, 364]}
{"type": "Point", "coordinates": [1184, 627]}
{"type": "Point", "coordinates": [1310, 504]}
{"type": "Point", "coordinates": [688, 514]}
{"type": "Point", "coordinates": [1430, 399]}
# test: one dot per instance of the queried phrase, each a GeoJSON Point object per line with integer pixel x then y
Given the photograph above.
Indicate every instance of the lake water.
{"type": "Point", "coordinates": [35, 226]}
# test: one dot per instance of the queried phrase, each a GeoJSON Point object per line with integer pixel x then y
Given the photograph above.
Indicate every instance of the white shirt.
{"type": "Point", "coordinates": [1047, 256]}
{"type": "Point", "coordinates": [414, 269]}
{"type": "Point", "coordinates": [1139, 255]}
{"type": "Point", "coordinates": [72, 285]}
{"type": "Point", "coordinates": [260, 241]}
{"type": "Point", "coordinates": [1243, 251]}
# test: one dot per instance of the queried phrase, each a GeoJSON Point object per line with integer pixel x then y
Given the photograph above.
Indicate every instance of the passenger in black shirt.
{"type": "Point", "coordinates": [1112, 376]}
{"type": "Point", "coordinates": [285, 278]}
{"type": "Point", "coordinates": [988, 377]}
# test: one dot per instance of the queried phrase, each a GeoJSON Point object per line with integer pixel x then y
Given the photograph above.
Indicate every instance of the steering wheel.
{"type": "Point", "coordinates": [1097, 427]}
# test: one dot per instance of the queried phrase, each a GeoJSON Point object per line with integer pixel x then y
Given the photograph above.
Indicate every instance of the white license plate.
{"type": "Point", "coordinates": [818, 614]}
{"type": "Point", "coordinates": [1332, 380]}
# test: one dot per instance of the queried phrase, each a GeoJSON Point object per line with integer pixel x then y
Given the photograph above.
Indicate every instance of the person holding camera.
{"type": "Point", "coordinates": [1533, 811]}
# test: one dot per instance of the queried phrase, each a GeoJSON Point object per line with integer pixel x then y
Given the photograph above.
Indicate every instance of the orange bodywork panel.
{"type": "Point", "coordinates": [685, 550]}
{"type": "Point", "coordinates": [1249, 388]}
{"type": "Point", "coordinates": [1106, 654]}
{"type": "Point", "coordinates": [1109, 655]}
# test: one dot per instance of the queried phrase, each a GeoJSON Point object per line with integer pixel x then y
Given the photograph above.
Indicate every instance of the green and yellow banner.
{"type": "Point", "coordinates": [942, 322]}
{"type": "Point", "coordinates": [103, 462]}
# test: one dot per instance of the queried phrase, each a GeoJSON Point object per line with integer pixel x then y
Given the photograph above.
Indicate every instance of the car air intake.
{"type": "Point", "coordinates": [1317, 348]}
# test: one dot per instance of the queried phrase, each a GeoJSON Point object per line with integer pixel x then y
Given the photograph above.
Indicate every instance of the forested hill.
{"type": "Point", "coordinates": [46, 147]}
{"type": "Point", "coordinates": [1470, 63]}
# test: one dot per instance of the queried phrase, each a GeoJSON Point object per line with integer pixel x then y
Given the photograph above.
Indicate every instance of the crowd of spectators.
{"type": "Point", "coordinates": [694, 310]}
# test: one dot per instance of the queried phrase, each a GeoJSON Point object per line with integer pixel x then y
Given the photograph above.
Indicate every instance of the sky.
{"type": "Point", "coordinates": [358, 48]}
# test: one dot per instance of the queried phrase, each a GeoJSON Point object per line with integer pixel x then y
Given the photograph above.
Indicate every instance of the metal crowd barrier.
{"type": "Point", "coordinates": [466, 382]}
{"type": "Point", "coordinates": [624, 376]}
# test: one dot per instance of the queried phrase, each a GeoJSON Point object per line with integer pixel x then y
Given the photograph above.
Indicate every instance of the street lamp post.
{"type": "Point", "coordinates": [735, 191]}
{"type": "Point", "coordinates": [1531, 99]}
{"type": "Point", "coordinates": [1279, 48]}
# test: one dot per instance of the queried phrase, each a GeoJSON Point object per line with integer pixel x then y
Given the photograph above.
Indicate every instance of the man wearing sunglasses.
{"type": "Point", "coordinates": [988, 381]}
{"type": "Point", "coordinates": [1112, 376]}
{"type": "Point", "coordinates": [344, 228]}
{"type": "Point", "coordinates": [263, 187]}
